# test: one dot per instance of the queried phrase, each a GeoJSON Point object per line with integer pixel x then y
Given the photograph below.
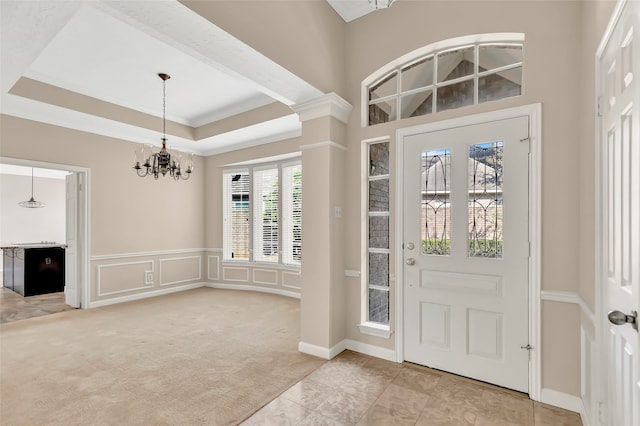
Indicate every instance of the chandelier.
{"type": "Point", "coordinates": [31, 203]}
{"type": "Point", "coordinates": [381, 4]}
{"type": "Point", "coordinates": [179, 165]}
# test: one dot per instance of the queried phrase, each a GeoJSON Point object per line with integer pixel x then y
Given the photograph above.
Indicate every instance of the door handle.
{"type": "Point", "coordinates": [620, 318]}
{"type": "Point", "coordinates": [411, 261]}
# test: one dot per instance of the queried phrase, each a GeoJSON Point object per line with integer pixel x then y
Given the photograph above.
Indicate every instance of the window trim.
{"type": "Point", "coordinates": [250, 169]}
{"type": "Point", "coordinates": [434, 49]}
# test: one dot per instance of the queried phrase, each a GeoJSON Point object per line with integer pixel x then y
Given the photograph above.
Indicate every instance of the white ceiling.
{"type": "Point", "coordinates": [100, 56]}
{"type": "Point", "coordinates": [11, 169]}
{"type": "Point", "coordinates": [112, 51]}
{"type": "Point", "coordinates": [352, 9]}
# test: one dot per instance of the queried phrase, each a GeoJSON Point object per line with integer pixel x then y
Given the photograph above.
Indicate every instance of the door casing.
{"type": "Point", "coordinates": [83, 217]}
{"type": "Point", "coordinates": [534, 112]}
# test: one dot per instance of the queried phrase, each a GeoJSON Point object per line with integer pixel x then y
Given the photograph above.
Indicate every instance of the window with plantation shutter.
{"type": "Point", "coordinates": [292, 214]}
{"type": "Point", "coordinates": [236, 215]}
{"type": "Point", "coordinates": [266, 206]}
{"type": "Point", "coordinates": [262, 213]}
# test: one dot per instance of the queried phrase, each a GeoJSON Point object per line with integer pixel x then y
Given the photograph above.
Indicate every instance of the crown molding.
{"type": "Point", "coordinates": [326, 105]}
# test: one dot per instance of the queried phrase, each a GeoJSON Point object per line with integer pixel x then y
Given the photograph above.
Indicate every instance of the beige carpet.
{"type": "Point", "coordinates": [198, 357]}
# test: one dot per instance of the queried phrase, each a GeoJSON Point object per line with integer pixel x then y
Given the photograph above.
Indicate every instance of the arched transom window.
{"type": "Point", "coordinates": [446, 75]}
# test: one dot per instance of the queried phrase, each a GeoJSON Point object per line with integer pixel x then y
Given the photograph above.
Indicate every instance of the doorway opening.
{"type": "Point", "coordinates": [45, 258]}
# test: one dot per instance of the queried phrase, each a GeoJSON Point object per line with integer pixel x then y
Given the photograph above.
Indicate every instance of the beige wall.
{"type": "Point", "coordinates": [128, 214]}
{"type": "Point", "coordinates": [306, 37]}
{"type": "Point", "coordinates": [553, 54]}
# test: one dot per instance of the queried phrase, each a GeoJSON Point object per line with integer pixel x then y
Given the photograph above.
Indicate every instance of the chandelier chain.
{"type": "Point", "coordinates": [147, 163]}
{"type": "Point", "coordinates": [164, 109]}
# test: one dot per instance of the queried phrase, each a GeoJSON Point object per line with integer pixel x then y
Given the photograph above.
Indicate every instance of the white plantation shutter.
{"type": "Point", "coordinates": [236, 215]}
{"type": "Point", "coordinates": [292, 213]}
{"type": "Point", "coordinates": [265, 215]}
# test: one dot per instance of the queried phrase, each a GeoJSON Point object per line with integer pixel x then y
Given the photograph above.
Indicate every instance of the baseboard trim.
{"type": "Point", "coordinates": [352, 345]}
{"type": "Point", "coordinates": [320, 351]}
{"type": "Point", "coordinates": [562, 400]}
{"type": "Point", "coordinates": [367, 349]}
{"type": "Point", "coordinates": [245, 287]}
{"type": "Point", "coordinates": [138, 296]}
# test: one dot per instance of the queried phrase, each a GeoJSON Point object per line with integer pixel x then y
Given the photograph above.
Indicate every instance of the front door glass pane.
{"type": "Point", "coordinates": [436, 202]}
{"type": "Point", "coordinates": [485, 204]}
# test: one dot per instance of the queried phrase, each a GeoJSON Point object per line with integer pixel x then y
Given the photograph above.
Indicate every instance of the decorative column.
{"type": "Point", "coordinates": [322, 305]}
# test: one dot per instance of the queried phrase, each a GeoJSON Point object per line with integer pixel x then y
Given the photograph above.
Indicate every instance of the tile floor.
{"type": "Point", "coordinates": [354, 389]}
{"type": "Point", "coordinates": [15, 307]}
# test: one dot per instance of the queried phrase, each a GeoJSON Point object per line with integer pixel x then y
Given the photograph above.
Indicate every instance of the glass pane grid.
{"type": "Point", "coordinates": [378, 233]}
{"type": "Point", "coordinates": [448, 79]}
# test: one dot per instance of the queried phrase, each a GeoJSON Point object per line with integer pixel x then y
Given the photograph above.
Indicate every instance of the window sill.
{"type": "Point", "coordinates": [272, 265]}
{"type": "Point", "coordinates": [375, 329]}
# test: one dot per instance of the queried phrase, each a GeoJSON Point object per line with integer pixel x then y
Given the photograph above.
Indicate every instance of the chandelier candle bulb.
{"type": "Point", "coordinates": [166, 160]}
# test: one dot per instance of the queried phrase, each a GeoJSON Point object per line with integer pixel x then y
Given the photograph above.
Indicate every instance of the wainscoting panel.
{"type": "Point", "coordinates": [252, 276]}
{"type": "Point", "coordinates": [180, 270]}
{"type": "Point", "coordinates": [265, 276]}
{"type": "Point", "coordinates": [117, 278]}
{"type": "Point", "coordinates": [291, 279]}
{"type": "Point", "coordinates": [121, 277]}
{"type": "Point", "coordinates": [235, 274]}
{"type": "Point", "coordinates": [586, 374]}
{"type": "Point", "coordinates": [213, 268]}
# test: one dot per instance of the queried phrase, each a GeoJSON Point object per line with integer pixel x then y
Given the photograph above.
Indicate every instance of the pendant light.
{"type": "Point", "coordinates": [32, 203]}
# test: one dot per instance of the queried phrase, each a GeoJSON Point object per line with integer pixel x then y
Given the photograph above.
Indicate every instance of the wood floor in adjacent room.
{"type": "Point", "coordinates": [220, 357]}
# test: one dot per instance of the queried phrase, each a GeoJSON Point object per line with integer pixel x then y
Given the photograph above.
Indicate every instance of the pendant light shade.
{"type": "Point", "coordinates": [31, 203]}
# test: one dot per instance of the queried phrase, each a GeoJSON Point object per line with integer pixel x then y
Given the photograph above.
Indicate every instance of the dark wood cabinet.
{"type": "Point", "coordinates": [34, 270]}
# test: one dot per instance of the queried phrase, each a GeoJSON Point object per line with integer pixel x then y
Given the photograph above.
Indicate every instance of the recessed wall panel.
{"type": "Point", "coordinates": [213, 267]}
{"type": "Point", "coordinates": [123, 277]}
{"type": "Point", "coordinates": [291, 280]}
{"type": "Point", "coordinates": [180, 270]}
{"type": "Point", "coordinates": [235, 274]}
{"type": "Point", "coordinates": [265, 276]}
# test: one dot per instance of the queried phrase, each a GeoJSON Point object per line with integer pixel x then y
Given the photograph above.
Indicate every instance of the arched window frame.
{"type": "Point", "coordinates": [432, 50]}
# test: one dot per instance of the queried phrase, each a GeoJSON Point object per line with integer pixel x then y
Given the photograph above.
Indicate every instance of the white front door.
{"type": "Point", "coordinates": [619, 259]}
{"type": "Point", "coordinates": [71, 289]}
{"type": "Point", "coordinates": [466, 251]}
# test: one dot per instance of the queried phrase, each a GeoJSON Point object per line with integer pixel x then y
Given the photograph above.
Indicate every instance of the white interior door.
{"type": "Point", "coordinates": [71, 290]}
{"type": "Point", "coordinates": [619, 66]}
{"type": "Point", "coordinates": [466, 251]}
